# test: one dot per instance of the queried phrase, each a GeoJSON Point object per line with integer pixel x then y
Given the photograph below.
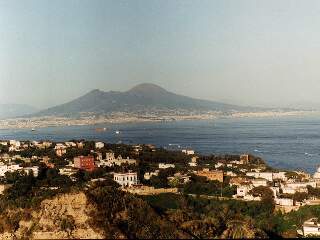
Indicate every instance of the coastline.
{"type": "Point", "coordinates": [50, 121]}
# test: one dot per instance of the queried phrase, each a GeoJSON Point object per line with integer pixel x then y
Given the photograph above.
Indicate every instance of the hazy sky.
{"type": "Point", "coordinates": [244, 52]}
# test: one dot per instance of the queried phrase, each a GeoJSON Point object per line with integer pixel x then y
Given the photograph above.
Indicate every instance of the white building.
{"type": "Point", "coordinates": [15, 143]}
{"type": "Point", "coordinates": [110, 156]}
{"type": "Point", "coordinates": [317, 174]}
{"type": "Point", "coordinates": [219, 164]}
{"type": "Point", "coordinates": [288, 190]}
{"type": "Point", "coordinates": [126, 179]}
{"type": "Point", "coordinates": [236, 162]}
{"type": "Point", "coordinates": [259, 182]}
{"type": "Point", "coordinates": [9, 168]}
{"type": "Point", "coordinates": [243, 190]}
{"type": "Point", "coordinates": [265, 175]}
{"type": "Point", "coordinates": [188, 151]}
{"type": "Point", "coordinates": [34, 169]}
{"type": "Point", "coordinates": [148, 175]}
{"type": "Point", "coordinates": [99, 145]}
{"type": "Point", "coordinates": [284, 201]}
{"type": "Point", "coordinates": [280, 176]}
{"type": "Point", "coordinates": [311, 227]}
{"type": "Point", "coordinates": [193, 162]}
{"type": "Point", "coordinates": [165, 166]}
{"type": "Point", "coordinates": [67, 171]}
{"type": "Point", "coordinates": [99, 156]}
{"type": "Point", "coordinates": [60, 149]}
{"type": "Point", "coordinates": [299, 185]}
{"type": "Point", "coordinates": [230, 174]}
{"type": "Point", "coordinates": [275, 190]}
{"type": "Point", "coordinates": [70, 144]}
{"type": "Point", "coordinates": [251, 198]}
{"type": "Point", "coordinates": [111, 161]}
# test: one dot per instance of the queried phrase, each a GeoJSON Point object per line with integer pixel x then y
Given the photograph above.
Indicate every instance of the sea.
{"type": "Point", "coordinates": [283, 142]}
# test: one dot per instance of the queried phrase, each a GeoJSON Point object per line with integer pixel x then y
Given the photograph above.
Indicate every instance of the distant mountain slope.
{"type": "Point", "coordinates": [15, 110]}
{"type": "Point", "coordinates": [143, 97]}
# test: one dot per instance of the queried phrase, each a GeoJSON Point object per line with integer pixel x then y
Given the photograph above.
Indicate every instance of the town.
{"type": "Point", "coordinates": [147, 170]}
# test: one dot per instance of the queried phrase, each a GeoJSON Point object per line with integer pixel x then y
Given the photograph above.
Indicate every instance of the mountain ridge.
{"type": "Point", "coordinates": [141, 98]}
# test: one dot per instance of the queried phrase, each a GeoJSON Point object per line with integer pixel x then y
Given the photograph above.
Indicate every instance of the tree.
{"type": "Point", "coordinates": [266, 194]}
{"type": "Point", "coordinates": [299, 197]}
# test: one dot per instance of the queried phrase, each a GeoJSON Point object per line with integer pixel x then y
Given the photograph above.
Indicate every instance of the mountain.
{"type": "Point", "coordinates": [15, 110]}
{"type": "Point", "coordinates": [141, 98]}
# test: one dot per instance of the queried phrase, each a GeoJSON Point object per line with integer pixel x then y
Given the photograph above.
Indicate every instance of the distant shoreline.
{"type": "Point", "coordinates": [43, 122]}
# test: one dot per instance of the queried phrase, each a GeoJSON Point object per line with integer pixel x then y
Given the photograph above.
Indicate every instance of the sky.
{"type": "Point", "coordinates": [257, 53]}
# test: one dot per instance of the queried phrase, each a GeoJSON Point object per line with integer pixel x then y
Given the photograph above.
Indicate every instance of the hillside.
{"type": "Point", "coordinates": [142, 98]}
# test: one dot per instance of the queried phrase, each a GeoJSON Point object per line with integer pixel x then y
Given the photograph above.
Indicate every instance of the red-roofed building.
{"type": "Point", "coordinates": [84, 163]}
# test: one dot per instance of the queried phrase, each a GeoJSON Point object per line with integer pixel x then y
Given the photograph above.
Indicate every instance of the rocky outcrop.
{"type": "Point", "coordinates": [63, 217]}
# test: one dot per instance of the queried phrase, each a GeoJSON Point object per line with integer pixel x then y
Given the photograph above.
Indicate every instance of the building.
{"type": "Point", "coordinates": [112, 161]}
{"type": "Point", "coordinates": [148, 175]}
{"type": "Point", "coordinates": [99, 145]}
{"type": "Point", "coordinates": [275, 190]}
{"type": "Point", "coordinates": [80, 145]}
{"type": "Point", "coordinates": [137, 148]}
{"type": "Point", "coordinates": [193, 162]}
{"type": "Point", "coordinates": [67, 171]}
{"type": "Point", "coordinates": [244, 159]}
{"type": "Point", "coordinates": [99, 156]}
{"type": "Point", "coordinates": [164, 165]}
{"type": "Point", "coordinates": [84, 163]}
{"type": "Point", "coordinates": [265, 175]}
{"type": "Point", "coordinates": [70, 144]}
{"type": "Point", "coordinates": [230, 174]}
{"type": "Point", "coordinates": [237, 181]}
{"type": "Point", "coordinates": [110, 156]}
{"type": "Point", "coordinates": [211, 175]}
{"type": "Point", "coordinates": [15, 143]}
{"type": "Point", "coordinates": [16, 167]}
{"type": "Point", "coordinates": [219, 164]}
{"type": "Point", "coordinates": [259, 182]}
{"type": "Point", "coordinates": [280, 176]}
{"type": "Point", "coordinates": [34, 170]}
{"type": "Point", "coordinates": [188, 151]}
{"type": "Point", "coordinates": [126, 179]}
{"type": "Point", "coordinates": [9, 168]}
{"type": "Point", "coordinates": [311, 227]}
{"type": "Point", "coordinates": [317, 174]}
{"type": "Point", "coordinates": [60, 149]}
{"type": "Point", "coordinates": [243, 190]}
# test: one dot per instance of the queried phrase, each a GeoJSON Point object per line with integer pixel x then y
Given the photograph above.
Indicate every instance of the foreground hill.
{"type": "Point", "coordinates": [142, 98]}
{"type": "Point", "coordinates": [101, 213]}
{"type": "Point", "coordinates": [15, 110]}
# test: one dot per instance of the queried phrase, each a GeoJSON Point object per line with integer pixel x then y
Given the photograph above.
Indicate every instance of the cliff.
{"type": "Point", "coordinates": [65, 216]}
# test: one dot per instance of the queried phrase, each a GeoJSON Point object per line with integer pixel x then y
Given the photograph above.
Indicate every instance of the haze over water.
{"type": "Point", "coordinates": [288, 142]}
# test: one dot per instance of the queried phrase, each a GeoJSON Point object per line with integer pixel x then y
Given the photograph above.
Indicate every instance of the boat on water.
{"type": "Point", "coordinates": [117, 132]}
{"type": "Point", "coordinates": [32, 129]}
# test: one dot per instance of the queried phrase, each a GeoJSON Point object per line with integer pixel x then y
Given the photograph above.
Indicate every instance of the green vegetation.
{"type": "Point", "coordinates": [201, 186]}
{"type": "Point", "coordinates": [121, 214]}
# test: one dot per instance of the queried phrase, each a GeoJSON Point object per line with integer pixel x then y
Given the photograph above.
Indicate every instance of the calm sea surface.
{"type": "Point", "coordinates": [291, 142]}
